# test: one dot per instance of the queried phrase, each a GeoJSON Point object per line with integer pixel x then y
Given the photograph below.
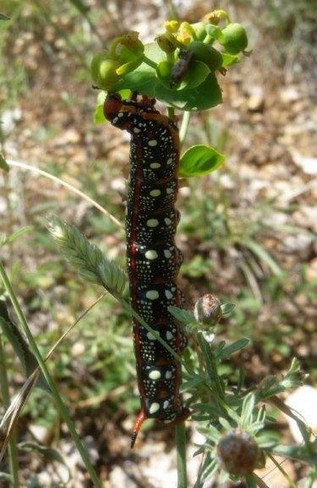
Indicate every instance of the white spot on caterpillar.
{"type": "Point", "coordinates": [168, 375]}
{"type": "Point", "coordinates": [150, 336]}
{"type": "Point", "coordinates": [169, 191]}
{"type": "Point", "coordinates": [155, 193]}
{"type": "Point", "coordinates": [152, 294]}
{"type": "Point", "coordinates": [136, 130]}
{"type": "Point", "coordinates": [166, 404]}
{"type": "Point", "coordinates": [169, 161]}
{"type": "Point", "coordinates": [155, 165]}
{"type": "Point", "coordinates": [167, 221]}
{"type": "Point", "coordinates": [152, 223]}
{"type": "Point", "coordinates": [154, 408]}
{"type": "Point", "coordinates": [151, 254]}
{"type": "Point", "coordinates": [152, 143]}
{"type": "Point", "coordinates": [167, 254]}
{"type": "Point", "coordinates": [169, 335]}
{"type": "Point", "coordinates": [155, 375]}
{"type": "Point", "coordinates": [168, 294]}
{"type": "Point", "coordinates": [120, 114]}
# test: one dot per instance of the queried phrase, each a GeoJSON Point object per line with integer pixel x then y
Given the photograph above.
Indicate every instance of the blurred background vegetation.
{"type": "Point", "coordinates": [248, 232]}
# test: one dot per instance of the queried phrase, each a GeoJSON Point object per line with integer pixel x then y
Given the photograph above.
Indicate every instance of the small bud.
{"type": "Point", "coordinates": [238, 453]}
{"type": "Point", "coordinates": [163, 71]}
{"type": "Point", "coordinates": [166, 42]}
{"type": "Point", "coordinates": [171, 26]}
{"type": "Point", "coordinates": [125, 48]}
{"type": "Point", "coordinates": [186, 33]}
{"type": "Point", "coordinates": [234, 38]}
{"type": "Point", "coordinates": [208, 309]}
{"type": "Point", "coordinates": [215, 16]}
{"type": "Point", "coordinates": [103, 71]}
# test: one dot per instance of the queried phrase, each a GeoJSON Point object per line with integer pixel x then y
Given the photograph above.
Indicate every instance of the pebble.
{"type": "Point", "coordinates": [311, 271]}
{"type": "Point", "coordinates": [9, 118]}
{"type": "Point", "coordinates": [308, 164]}
{"type": "Point", "coordinates": [40, 433]}
{"type": "Point", "coordinates": [303, 401]}
{"type": "Point", "coordinates": [256, 103]}
{"type": "Point", "coordinates": [299, 244]}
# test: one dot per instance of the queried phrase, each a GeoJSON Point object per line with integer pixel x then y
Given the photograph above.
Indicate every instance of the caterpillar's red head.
{"type": "Point", "coordinates": [121, 113]}
{"type": "Point", "coordinates": [112, 106]}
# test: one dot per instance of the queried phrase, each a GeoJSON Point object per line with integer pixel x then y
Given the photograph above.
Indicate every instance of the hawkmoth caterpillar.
{"type": "Point", "coordinates": [153, 260]}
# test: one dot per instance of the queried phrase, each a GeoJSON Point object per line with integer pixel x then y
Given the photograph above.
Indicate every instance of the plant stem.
{"type": "Point", "coordinates": [180, 437]}
{"type": "Point", "coordinates": [12, 447]}
{"type": "Point", "coordinates": [149, 62]}
{"type": "Point", "coordinates": [184, 126]}
{"type": "Point", "coordinates": [58, 399]}
{"type": "Point", "coordinates": [211, 367]}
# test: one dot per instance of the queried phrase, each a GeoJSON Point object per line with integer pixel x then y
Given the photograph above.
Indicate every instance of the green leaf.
{"type": "Point", "coordinates": [99, 117]}
{"type": "Point", "coordinates": [264, 256]}
{"type": "Point", "coordinates": [247, 409]}
{"type": "Point", "coordinates": [230, 59]}
{"type": "Point", "coordinates": [144, 80]}
{"type": "Point", "coordinates": [49, 453]}
{"type": "Point", "coordinates": [81, 7]}
{"type": "Point", "coordinates": [5, 476]}
{"type": "Point", "coordinates": [214, 31]}
{"type": "Point", "coordinates": [3, 164]}
{"type": "Point", "coordinates": [183, 316]}
{"type": "Point", "coordinates": [227, 309]}
{"type": "Point", "coordinates": [4, 17]}
{"type": "Point", "coordinates": [230, 349]}
{"type": "Point", "coordinates": [300, 453]}
{"type": "Point", "coordinates": [19, 344]}
{"type": "Point", "coordinates": [16, 338]}
{"type": "Point", "coordinates": [15, 235]}
{"type": "Point", "coordinates": [197, 73]}
{"type": "Point", "coordinates": [199, 160]}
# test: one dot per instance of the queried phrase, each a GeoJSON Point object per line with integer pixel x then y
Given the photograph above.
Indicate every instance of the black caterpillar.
{"type": "Point", "coordinates": [152, 256]}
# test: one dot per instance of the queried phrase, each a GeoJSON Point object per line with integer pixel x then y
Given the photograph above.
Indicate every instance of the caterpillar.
{"type": "Point", "coordinates": [153, 260]}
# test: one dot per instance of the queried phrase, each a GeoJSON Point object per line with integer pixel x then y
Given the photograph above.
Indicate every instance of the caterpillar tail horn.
{"type": "Point", "coordinates": [137, 426]}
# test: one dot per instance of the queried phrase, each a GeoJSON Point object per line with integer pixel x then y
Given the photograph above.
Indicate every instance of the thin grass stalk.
{"type": "Point", "coordinates": [12, 447]}
{"type": "Point", "coordinates": [34, 169]}
{"type": "Point", "coordinates": [180, 438]}
{"type": "Point", "coordinates": [58, 399]}
{"type": "Point", "coordinates": [13, 411]}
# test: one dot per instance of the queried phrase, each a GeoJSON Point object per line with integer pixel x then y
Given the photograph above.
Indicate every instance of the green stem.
{"type": "Point", "coordinates": [184, 127]}
{"type": "Point", "coordinates": [150, 62]}
{"type": "Point", "coordinates": [171, 112]}
{"type": "Point", "coordinates": [58, 399]}
{"type": "Point", "coordinates": [12, 446]}
{"type": "Point", "coordinates": [211, 366]}
{"type": "Point", "coordinates": [208, 39]}
{"type": "Point", "coordinates": [180, 438]}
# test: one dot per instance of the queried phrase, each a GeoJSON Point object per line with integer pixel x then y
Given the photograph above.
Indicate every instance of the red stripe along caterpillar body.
{"type": "Point", "coordinates": [153, 259]}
